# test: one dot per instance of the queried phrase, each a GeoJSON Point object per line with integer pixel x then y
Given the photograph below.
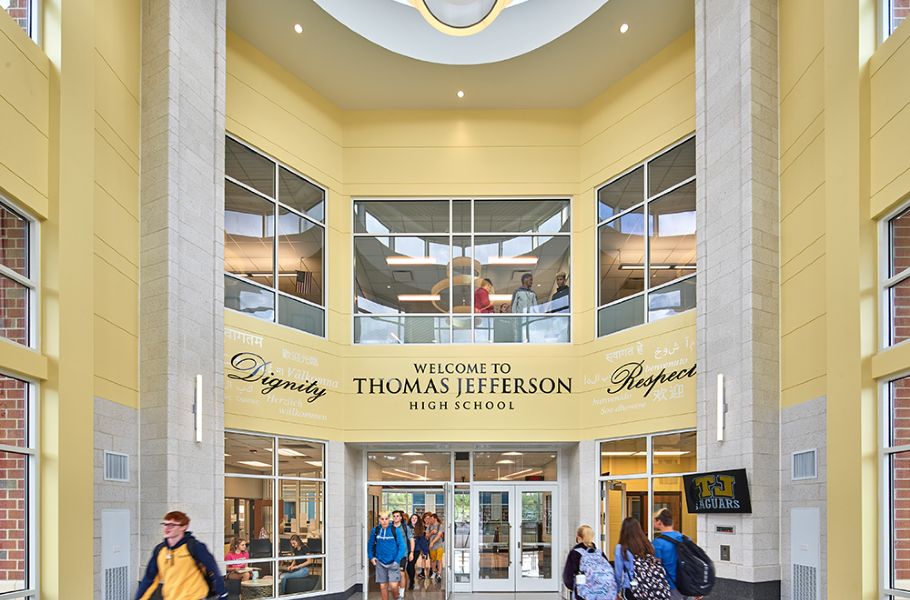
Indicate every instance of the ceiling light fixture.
{"type": "Point", "coordinates": [298, 28]}
{"type": "Point", "coordinates": [289, 452]}
{"type": "Point", "coordinates": [617, 453]}
{"type": "Point", "coordinates": [253, 463]}
{"type": "Point", "coordinates": [460, 93]}
{"type": "Point", "coordinates": [500, 297]}
{"type": "Point", "coordinates": [513, 260]}
{"type": "Point", "coordinates": [419, 297]}
{"type": "Point", "coordinates": [513, 454]}
{"type": "Point", "coordinates": [410, 260]}
{"type": "Point", "coordinates": [420, 462]}
{"type": "Point", "coordinates": [412, 453]}
{"type": "Point", "coordinates": [505, 461]}
{"type": "Point", "coordinates": [315, 463]}
{"type": "Point", "coordinates": [624, 28]}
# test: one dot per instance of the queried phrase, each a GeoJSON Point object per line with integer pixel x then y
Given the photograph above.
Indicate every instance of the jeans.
{"type": "Point", "coordinates": [292, 575]}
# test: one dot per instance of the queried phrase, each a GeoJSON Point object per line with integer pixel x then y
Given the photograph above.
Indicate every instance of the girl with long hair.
{"type": "Point", "coordinates": [639, 574]}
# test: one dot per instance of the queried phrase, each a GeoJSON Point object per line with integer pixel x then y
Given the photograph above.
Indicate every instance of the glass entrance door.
{"type": "Point", "coordinates": [515, 535]}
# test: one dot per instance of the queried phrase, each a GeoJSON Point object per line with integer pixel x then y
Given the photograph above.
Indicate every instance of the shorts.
{"type": "Point", "coordinates": [437, 554]}
{"type": "Point", "coordinates": [387, 573]}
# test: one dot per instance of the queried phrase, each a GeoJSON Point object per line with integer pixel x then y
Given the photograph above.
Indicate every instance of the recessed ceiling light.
{"type": "Point", "coordinates": [254, 463]}
{"type": "Point", "coordinates": [622, 28]}
{"type": "Point", "coordinates": [412, 453]}
{"type": "Point", "coordinates": [505, 461]}
{"type": "Point", "coordinates": [315, 463]}
{"type": "Point", "coordinates": [298, 28]}
{"type": "Point", "coordinates": [511, 454]}
{"type": "Point", "coordinates": [460, 93]}
{"type": "Point", "coordinates": [420, 462]}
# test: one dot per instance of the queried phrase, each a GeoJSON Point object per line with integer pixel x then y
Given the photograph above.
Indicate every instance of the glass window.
{"type": "Point", "coordinates": [409, 466]}
{"type": "Point", "coordinates": [279, 516]}
{"type": "Point", "coordinates": [23, 13]}
{"type": "Point", "coordinates": [647, 272]}
{"type": "Point", "coordinates": [896, 11]}
{"type": "Point", "coordinates": [17, 458]}
{"type": "Point", "coordinates": [514, 466]}
{"type": "Point", "coordinates": [273, 245]}
{"type": "Point", "coordinates": [624, 457]}
{"type": "Point", "coordinates": [18, 287]}
{"type": "Point", "coordinates": [511, 256]}
{"type": "Point", "coordinates": [635, 482]}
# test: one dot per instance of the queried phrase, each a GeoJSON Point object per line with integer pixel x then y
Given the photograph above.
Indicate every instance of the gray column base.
{"type": "Point", "coordinates": [357, 588]}
{"type": "Point", "coordinates": [732, 589]}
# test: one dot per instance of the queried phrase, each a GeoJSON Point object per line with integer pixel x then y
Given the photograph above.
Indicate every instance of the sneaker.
{"type": "Point", "coordinates": [421, 576]}
{"type": "Point", "coordinates": [401, 592]}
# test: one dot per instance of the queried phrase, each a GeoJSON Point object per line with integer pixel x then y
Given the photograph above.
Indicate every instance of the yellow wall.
{"type": "Point", "coordinates": [116, 201]}
{"type": "Point", "coordinates": [461, 153]}
{"type": "Point", "coordinates": [74, 167]}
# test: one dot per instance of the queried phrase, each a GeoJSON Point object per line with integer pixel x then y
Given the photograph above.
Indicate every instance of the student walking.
{"type": "Point", "coordinates": [436, 534]}
{"type": "Point", "coordinates": [416, 528]}
{"type": "Point", "coordinates": [181, 567]}
{"type": "Point", "coordinates": [666, 550]}
{"type": "Point", "coordinates": [422, 545]}
{"type": "Point", "coordinates": [588, 572]}
{"type": "Point", "coordinates": [385, 549]}
{"type": "Point", "coordinates": [400, 520]}
{"type": "Point", "coordinates": [639, 575]}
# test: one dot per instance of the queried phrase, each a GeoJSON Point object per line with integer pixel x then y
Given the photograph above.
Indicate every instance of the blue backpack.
{"type": "Point", "coordinates": [600, 584]}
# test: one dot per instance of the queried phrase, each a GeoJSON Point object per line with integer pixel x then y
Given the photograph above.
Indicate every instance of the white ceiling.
{"type": "Point", "coordinates": [355, 73]}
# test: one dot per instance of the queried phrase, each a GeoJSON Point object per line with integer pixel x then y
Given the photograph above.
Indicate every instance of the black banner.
{"type": "Point", "coordinates": [718, 492]}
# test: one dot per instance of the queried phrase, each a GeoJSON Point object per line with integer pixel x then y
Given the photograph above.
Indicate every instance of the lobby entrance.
{"type": "Point", "coordinates": [498, 511]}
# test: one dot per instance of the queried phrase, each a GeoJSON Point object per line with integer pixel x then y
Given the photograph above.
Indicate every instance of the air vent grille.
{"type": "Point", "coordinates": [805, 583]}
{"type": "Point", "coordinates": [116, 466]}
{"type": "Point", "coordinates": [116, 583]}
{"type": "Point", "coordinates": [805, 465]}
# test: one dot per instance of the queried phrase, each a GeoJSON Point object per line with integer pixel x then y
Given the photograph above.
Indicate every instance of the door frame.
{"type": "Point", "coordinates": [515, 583]}
{"type": "Point", "coordinates": [446, 489]}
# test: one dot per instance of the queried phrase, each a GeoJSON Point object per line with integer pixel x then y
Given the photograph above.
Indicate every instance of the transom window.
{"type": "Point", "coordinates": [18, 284]}
{"type": "Point", "coordinates": [274, 240]}
{"type": "Point", "coordinates": [893, 13]}
{"type": "Point", "coordinates": [274, 502]}
{"type": "Point", "coordinates": [646, 241]}
{"type": "Point", "coordinates": [461, 271]}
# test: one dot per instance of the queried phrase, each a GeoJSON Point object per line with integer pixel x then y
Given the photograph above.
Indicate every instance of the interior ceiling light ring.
{"type": "Point", "coordinates": [517, 28]}
{"type": "Point", "coordinates": [460, 17]}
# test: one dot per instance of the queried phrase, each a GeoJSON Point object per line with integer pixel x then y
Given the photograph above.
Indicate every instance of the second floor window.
{"type": "Point", "coordinates": [274, 240]}
{"type": "Point", "coordinates": [18, 286]}
{"type": "Point", "coordinates": [461, 271]}
{"type": "Point", "coordinates": [646, 241]}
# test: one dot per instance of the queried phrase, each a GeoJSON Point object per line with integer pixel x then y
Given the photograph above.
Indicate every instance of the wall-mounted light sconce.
{"type": "Point", "coordinates": [197, 408]}
{"type": "Point", "coordinates": [721, 407]}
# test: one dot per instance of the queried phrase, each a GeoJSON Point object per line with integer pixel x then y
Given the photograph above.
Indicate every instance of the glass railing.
{"type": "Point", "coordinates": [532, 328]}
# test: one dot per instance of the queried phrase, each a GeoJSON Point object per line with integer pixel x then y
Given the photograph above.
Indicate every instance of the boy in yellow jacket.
{"type": "Point", "coordinates": [181, 566]}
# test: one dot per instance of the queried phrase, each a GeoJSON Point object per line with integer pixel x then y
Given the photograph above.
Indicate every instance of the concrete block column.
{"type": "Point", "coordinates": [181, 265]}
{"type": "Point", "coordinates": [737, 319]}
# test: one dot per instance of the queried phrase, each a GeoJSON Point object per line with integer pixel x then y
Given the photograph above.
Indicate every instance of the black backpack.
{"type": "Point", "coordinates": [694, 569]}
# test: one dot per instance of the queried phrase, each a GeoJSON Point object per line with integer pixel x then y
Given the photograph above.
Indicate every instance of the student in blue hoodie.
{"type": "Point", "coordinates": [666, 551]}
{"type": "Point", "coordinates": [385, 550]}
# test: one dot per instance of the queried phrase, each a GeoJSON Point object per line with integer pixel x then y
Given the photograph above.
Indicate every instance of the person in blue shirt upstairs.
{"type": "Point", "coordinates": [385, 549]}
{"type": "Point", "coordinates": [666, 551]}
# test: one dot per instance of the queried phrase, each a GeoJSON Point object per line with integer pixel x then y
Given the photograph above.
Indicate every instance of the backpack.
{"type": "Point", "coordinates": [694, 569]}
{"type": "Point", "coordinates": [600, 584]}
{"type": "Point", "coordinates": [651, 579]}
{"type": "Point", "coordinates": [376, 531]}
{"type": "Point", "coordinates": [192, 545]}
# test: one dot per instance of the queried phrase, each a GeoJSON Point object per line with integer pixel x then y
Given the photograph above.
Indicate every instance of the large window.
{"type": "Point", "coordinates": [894, 12]}
{"type": "Point", "coordinates": [646, 241]}
{"type": "Point", "coordinates": [23, 12]}
{"type": "Point", "coordinates": [18, 284]}
{"type": "Point", "coordinates": [461, 271]}
{"type": "Point", "coordinates": [274, 240]}
{"type": "Point", "coordinates": [896, 277]}
{"type": "Point", "coordinates": [18, 504]}
{"type": "Point", "coordinates": [274, 501]}
{"type": "Point", "coordinates": [641, 475]}
{"type": "Point", "coordinates": [896, 497]}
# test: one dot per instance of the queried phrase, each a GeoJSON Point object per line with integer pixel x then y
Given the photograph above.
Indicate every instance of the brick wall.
{"type": "Point", "coordinates": [20, 11]}
{"type": "Point", "coordinates": [900, 10]}
{"type": "Point", "coordinates": [13, 296]}
{"type": "Point", "coordinates": [13, 492]}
